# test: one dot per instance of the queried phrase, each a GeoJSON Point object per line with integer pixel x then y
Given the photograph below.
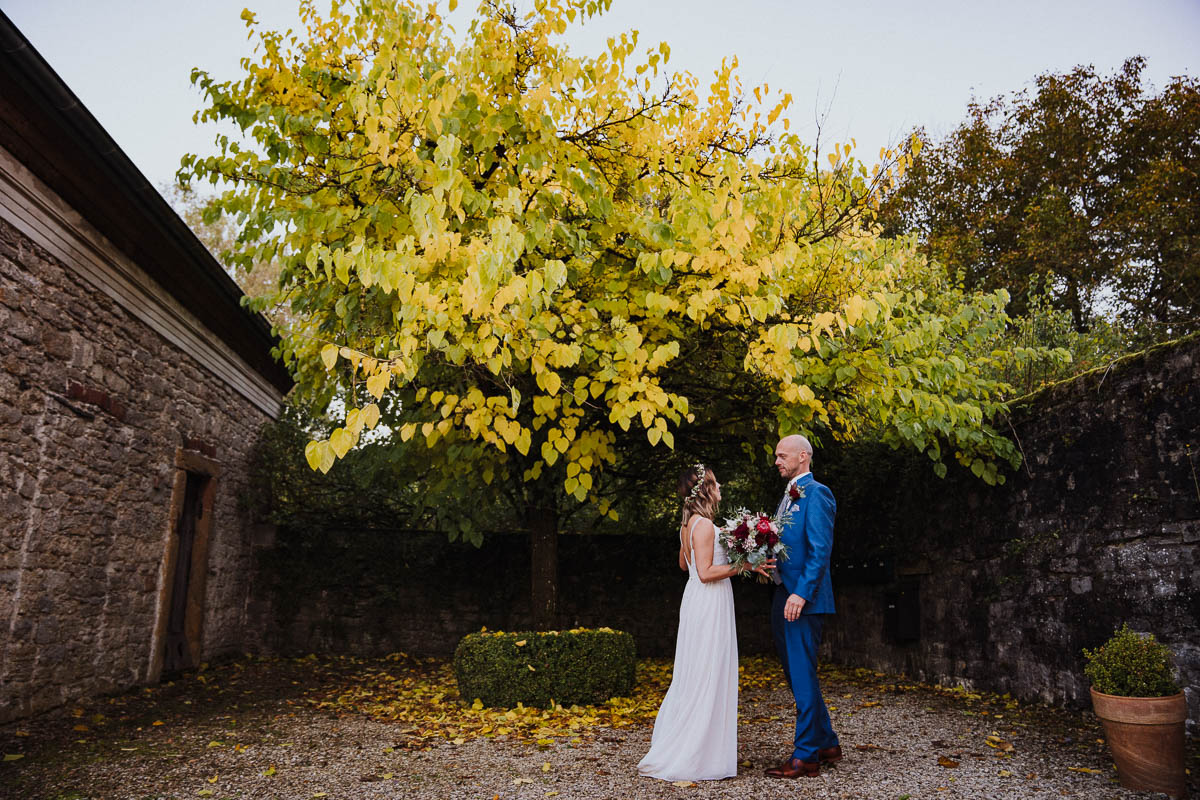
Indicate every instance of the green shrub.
{"type": "Point", "coordinates": [1131, 665]}
{"type": "Point", "coordinates": [569, 667]}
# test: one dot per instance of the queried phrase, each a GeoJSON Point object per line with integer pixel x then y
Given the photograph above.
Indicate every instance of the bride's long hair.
{"type": "Point", "coordinates": [698, 490]}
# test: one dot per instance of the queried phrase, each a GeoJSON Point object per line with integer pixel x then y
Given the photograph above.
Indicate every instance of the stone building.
{"type": "Point", "coordinates": [132, 387]}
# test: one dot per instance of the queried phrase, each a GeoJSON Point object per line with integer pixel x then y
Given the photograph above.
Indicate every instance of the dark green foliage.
{"type": "Point", "coordinates": [371, 489]}
{"type": "Point", "coordinates": [1046, 325]}
{"type": "Point", "coordinates": [567, 667]}
{"type": "Point", "coordinates": [1087, 182]}
{"type": "Point", "coordinates": [1131, 665]}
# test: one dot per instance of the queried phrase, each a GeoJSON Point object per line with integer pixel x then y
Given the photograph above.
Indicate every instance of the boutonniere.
{"type": "Point", "coordinates": [795, 492]}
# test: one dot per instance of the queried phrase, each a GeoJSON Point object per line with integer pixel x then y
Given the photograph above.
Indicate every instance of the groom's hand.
{"type": "Point", "coordinates": [793, 607]}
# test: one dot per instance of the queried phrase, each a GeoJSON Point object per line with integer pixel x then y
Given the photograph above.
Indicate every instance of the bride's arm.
{"type": "Point", "coordinates": [702, 544]}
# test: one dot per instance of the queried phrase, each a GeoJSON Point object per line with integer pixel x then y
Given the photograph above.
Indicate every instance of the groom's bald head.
{"type": "Point", "coordinates": [793, 455]}
{"type": "Point", "coordinates": [797, 443]}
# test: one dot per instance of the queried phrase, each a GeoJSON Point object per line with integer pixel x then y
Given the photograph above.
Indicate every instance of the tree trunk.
{"type": "Point", "coordinates": [543, 529]}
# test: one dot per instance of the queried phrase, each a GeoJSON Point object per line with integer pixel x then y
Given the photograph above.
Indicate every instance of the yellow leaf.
{"type": "Point", "coordinates": [269, 771]}
{"type": "Point", "coordinates": [684, 784]}
{"type": "Point", "coordinates": [377, 384]}
{"type": "Point", "coordinates": [546, 766]}
{"type": "Point", "coordinates": [854, 309]}
{"type": "Point", "coordinates": [214, 778]}
{"type": "Point", "coordinates": [329, 354]}
{"type": "Point", "coordinates": [341, 441]}
{"type": "Point", "coordinates": [370, 415]}
{"type": "Point", "coordinates": [312, 453]}
{"type": "Point", "coordinates": [158, 722]}
{"type": "Point", "coordinates": [1088, 770]}
{"type": "Point", "coordinates": [948, 763]}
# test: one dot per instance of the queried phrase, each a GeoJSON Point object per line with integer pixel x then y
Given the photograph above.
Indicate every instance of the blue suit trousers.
{"type": "Point", "coordinates": [797, 643]}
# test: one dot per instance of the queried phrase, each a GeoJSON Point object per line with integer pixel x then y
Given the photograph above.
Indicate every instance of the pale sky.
{"type": "Point", "coordinates": [876, 67]}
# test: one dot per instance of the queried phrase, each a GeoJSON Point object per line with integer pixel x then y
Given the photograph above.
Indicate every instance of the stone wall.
{"type": "Point", "coordinates": [376, 592]}
{"type": "Point", "coordinates": [1001, 587]}
{"type": "Point", "coordinates": [95, 410]}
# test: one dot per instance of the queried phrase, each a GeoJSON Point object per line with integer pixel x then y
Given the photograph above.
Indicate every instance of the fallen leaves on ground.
{"type": "Point", "coordinates": [994, 741]}
{"type": "Point", "coordinates": [975, 703]}
{"type": "Point", "coordinates": [422, 696]}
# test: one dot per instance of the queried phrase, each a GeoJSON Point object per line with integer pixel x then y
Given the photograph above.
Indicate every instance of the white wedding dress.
{"type": "Point", "coordinates": [695, 733]}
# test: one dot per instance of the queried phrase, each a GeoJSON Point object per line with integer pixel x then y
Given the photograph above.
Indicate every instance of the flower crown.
{"type": "Point", "coordinates": [699, 485]}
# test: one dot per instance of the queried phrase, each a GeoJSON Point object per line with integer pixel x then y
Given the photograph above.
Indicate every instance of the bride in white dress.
{"type": "Point", "coordinates": [695, 733]}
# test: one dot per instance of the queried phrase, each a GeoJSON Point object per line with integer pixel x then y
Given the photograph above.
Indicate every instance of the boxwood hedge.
{"type": "Point", "coordinates": [578, 666]}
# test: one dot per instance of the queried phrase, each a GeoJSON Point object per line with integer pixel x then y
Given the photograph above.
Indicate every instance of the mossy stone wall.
{"type": "Point", "coordinates": [1001, 587]}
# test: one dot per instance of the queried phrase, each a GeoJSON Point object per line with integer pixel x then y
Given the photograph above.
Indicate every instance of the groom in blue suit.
{"type": "Point", "coordinates": [803, 596]}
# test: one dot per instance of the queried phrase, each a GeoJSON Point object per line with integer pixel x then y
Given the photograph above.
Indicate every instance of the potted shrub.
{"type": "Point", "coordinates": [1135, 695]}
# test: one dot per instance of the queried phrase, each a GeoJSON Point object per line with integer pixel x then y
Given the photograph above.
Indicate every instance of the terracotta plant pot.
{"type": "Point", "coordinates": [1145, 735]}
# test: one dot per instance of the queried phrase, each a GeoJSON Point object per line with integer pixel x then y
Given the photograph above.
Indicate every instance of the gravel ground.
{"type": "Point", "coordinates": [263, 736]}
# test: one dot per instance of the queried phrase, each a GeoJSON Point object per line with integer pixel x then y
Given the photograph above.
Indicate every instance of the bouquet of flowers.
{"type": "Point", "coordinates": [751, 537]}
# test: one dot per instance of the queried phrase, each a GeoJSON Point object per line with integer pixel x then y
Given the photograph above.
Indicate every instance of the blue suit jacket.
{"type": "Point", "coordinates": [809, 538]}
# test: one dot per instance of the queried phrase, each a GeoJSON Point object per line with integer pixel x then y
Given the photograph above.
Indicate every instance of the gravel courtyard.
{"type": "Point", "coordinates": [342, 728]}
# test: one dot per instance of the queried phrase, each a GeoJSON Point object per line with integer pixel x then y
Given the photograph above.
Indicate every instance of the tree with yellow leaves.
{"type": "Point", "coordinates": [536, 265]}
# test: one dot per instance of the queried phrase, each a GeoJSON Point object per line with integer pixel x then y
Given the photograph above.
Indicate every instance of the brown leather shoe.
{"type": "Point", "coordinates": [794, 768]}
{"type": "Point", "coordinates": [830, 755]}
